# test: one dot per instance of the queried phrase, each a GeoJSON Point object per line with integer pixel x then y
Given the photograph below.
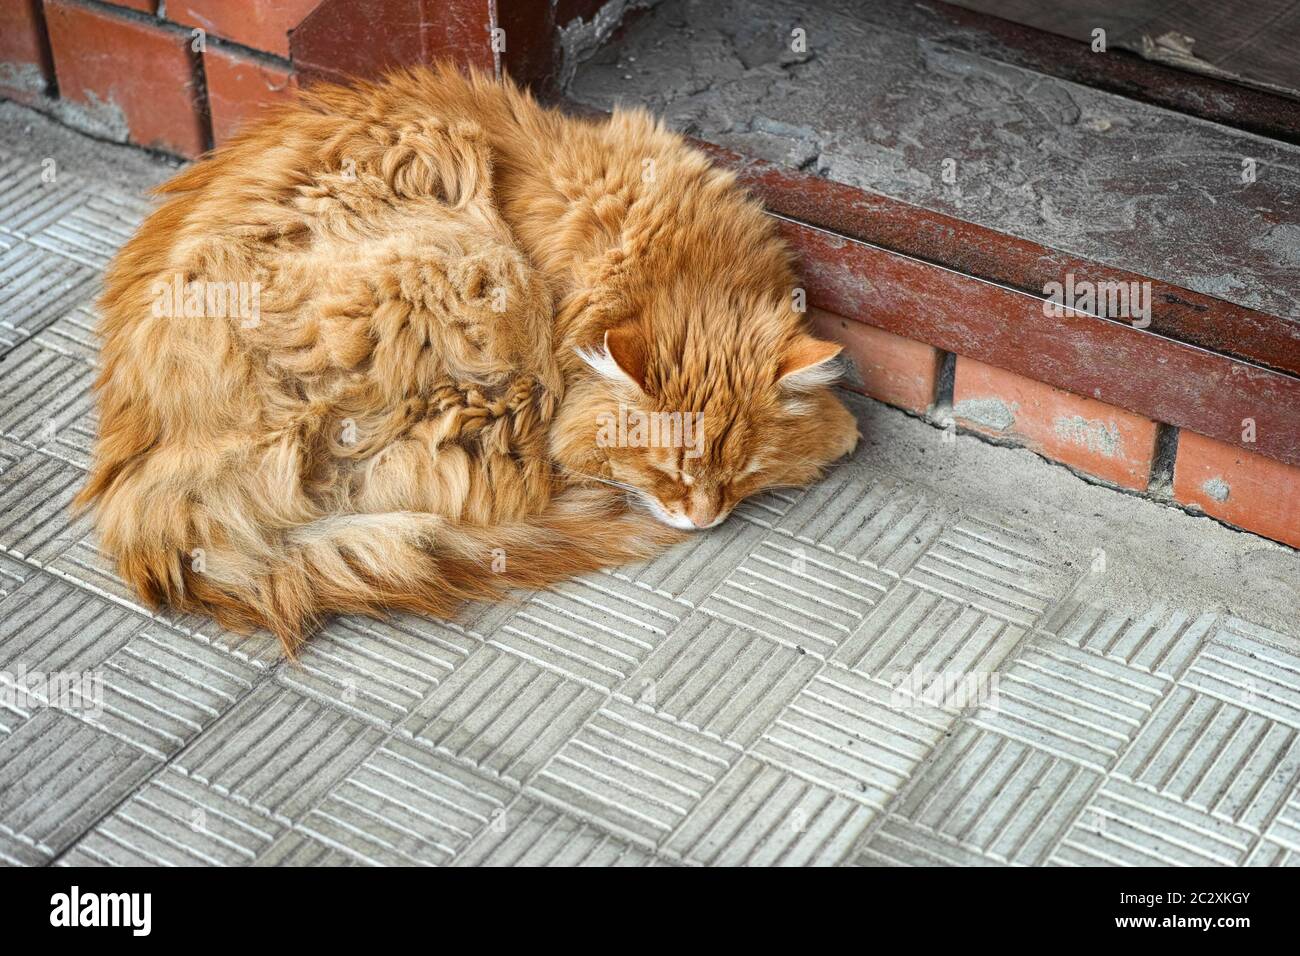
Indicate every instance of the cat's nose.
{"type": "Point", "coordinates": [704, 512]}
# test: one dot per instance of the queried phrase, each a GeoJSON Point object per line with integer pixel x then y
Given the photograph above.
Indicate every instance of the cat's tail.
{"type": "Point", "coordinates": [373, 563]}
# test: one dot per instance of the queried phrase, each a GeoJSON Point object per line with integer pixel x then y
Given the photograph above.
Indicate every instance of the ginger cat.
{"type": "Point", "coordinates": [459, 302]}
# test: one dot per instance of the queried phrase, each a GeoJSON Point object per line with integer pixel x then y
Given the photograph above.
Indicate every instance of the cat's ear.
{"type": "Point", "coordinates": [622, 359]}
{"type": "Point", "coordinates": [808, 364]}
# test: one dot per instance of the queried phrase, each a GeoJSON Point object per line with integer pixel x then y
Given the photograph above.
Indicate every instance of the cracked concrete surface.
{"type": "Point", "coordinates": [1128, 675]}
{"type": "Point", "coordinates": [871, 105]}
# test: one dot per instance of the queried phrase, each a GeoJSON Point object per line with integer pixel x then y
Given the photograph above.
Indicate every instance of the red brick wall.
{"type": "Point", "coordinates": [1099, 440]}
{"type": "Point", "coordinates": [26, 72]}
{"type": "Point", "coordinates": [188, 79]}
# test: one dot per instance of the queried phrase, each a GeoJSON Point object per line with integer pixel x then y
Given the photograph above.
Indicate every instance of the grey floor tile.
{"type": "Point", "coordinates": [1125, 825]}
{"type": "Point", "coordinates": [727, 682]}
{"type": "Point", "coordinates": [502, 714]}
{"type": "Point", "coordinates": [1161, 641]}
{"type": "Point", "coordinates": [35, 521]}
{"type": "Point", "coordinates": [58, 776]}
{"type": "Point", "coordinates": [596, 630]}
{"type": "Point", "coordinates": [915, 630]}
{"type": "Point", "coordinates": [1280, 845]}
{"type": "Point", "coordinates": [1216, 758]}
{"type": "Point", "coordinates": [50, 625]}
{"type": "Point", "coordinates": [405, 806]}
{"type": "Point", "coordinates": [278, 752]}
{"type": "Point", "coordinates": [162, 688]}
{"type": "Point", "coordinates": [852, 736]}
{"type": "Point", "coordinates": [36, 287]}
{"type": "Point", "coordinates": [637, 775]}
{"type": "Point", "coordinates": [900, 843]}
{"type": "Point", "coordinates": [294, 848]}
{"type": "Point", "coordinates": [995, 567]}
{"type": "Point", "coordinates": [1070, 703]}
{"type": "Point", "coordinates": [690, 571]}
{"type": "Point", "coordinates": [72, 335]}
{"type": "Point", "coordinates": [1252, 667]}
{"type": "Point", "coordinates": [43, 395]}
{"type": "Point", "coordinates": [760, 816]}
{"type": "Point", "coordinates": [533, 834]}
{"type": "Point", "coordinates": [378, 670]}
{"type": "Point", "coordinates": [870, 519]}
{"type": "Point", "coordinates": [174, 820]}
{"type": "Point", "coordinates": [988, 795]}
{"type": "Point", "coordinates": [798, 595]}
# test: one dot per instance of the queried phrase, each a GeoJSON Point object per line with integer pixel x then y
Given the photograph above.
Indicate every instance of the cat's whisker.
{"type": "Point", "coordinates": [606, 481]}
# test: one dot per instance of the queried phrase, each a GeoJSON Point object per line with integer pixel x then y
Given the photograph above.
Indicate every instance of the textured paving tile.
{"type": "Point", "coordinates": [72, 335]}
{"type": "Point", "coordinates": [36, 287]}
{"type": "Point", "coordinates": [162, 688]}
{"type": "Point", "coordinates": [294, 848]}
{"type": "Point", "coordinates": [12, 574]}
{"type": "Point", "coordinates": [1080, 707]}
{"type": "Point", "coordinates": [42, 394]}
{"type": "Point", "coordinates": [174, 820]}
{"type": "Point", "coordinates": [852, 736]}
{"type": "Point", "coordinates": [595, 630]}
{"type": "Point", "coordinates": [278, 752]}
{"type": "Point", "coordinates": [1125, 825]}
{"type": "Point", "coordinates": [533, 834]}
{"type": "Point", "coordinates": [1161, 641]}
{"type": "Point", "coordinates": [899, 843]}
{"type": "Point", "coordinates": [798, 596]}
{"type": "Point", "coordinates": [1217, 758]}
{"type": "Point", "coordinates": [634, 773]}
{"type": "Point", "coordinates": [1281, 844]}
{"type": "Point", "coordinates": [691, 571]}
{"type": "Point", "coordinates": [57, 777]}
{"type": "Point", "coordinates": [33, 195]}
{"type": "Point", "coordinates": [1250, 666]}
{"type": "Point", "coordinates": [722, 680]}
{"type": "Point", "coordinates": [35, 492]}
{"type": "Point", "coordinates": [760, 816]}
{"type": "Point", "coordinates": [995, 567]}
{"type": "Point", "coordinates": [48, 625]}
{"type": "Point", "coordinates": [404, 806]}
{"type": "Point", "coordinates": [913, 629]}
{"type": "Point", "coordinates": [872, 520]}
{"type": "Point", "coordinates": [89, 229]}
{"type": "Point", "coordinates": [503, 714]}
{"type": "Point", "coordinates": [985, 795]}
{"type": "Point", "coordinates": [379, 671]}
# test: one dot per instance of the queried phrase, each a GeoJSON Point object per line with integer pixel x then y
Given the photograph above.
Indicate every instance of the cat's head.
{"type": "Point", "coordinates": [693, 427]}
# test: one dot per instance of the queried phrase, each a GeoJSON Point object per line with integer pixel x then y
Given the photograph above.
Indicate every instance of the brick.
{"type": "Point", "coordinates": [25, 69]}
{"type": "Point", "coordinates": [260, 24]}
{"type": "Point", "coordinates": [1240, 487]}
{"type": "Point", "coordinates": [891, 368]}
{"type": "Point", "coordinates": [343, 38]}
{"type": "Point", "coordinates": [135, 79]}
{"type": "Point", "coordinates": [143, 6]}
{"type": "Point", "coordinates": [1109, 443]}
{"type": "Point", "coordinates": [240, 86]}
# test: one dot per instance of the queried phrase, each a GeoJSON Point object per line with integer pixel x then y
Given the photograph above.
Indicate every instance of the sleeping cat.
{"type": "Point", "coordinates": [460, 302]}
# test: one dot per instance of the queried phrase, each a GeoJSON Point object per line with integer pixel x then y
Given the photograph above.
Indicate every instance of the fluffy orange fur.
{"type": "Point", "coordinates": [455, 286]}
